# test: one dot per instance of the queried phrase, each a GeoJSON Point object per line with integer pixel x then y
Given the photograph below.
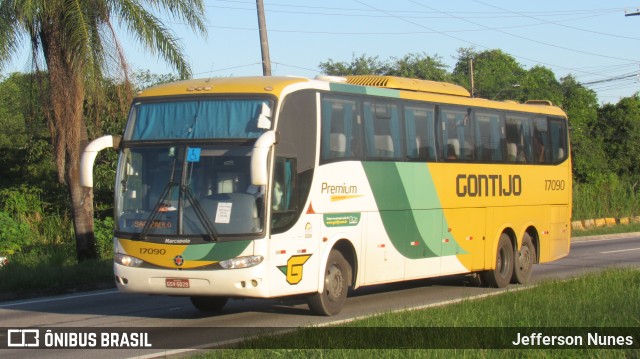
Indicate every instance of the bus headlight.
{"type": "Point", "coordinates": [127, 260]}
{"type": "Point", "coordinates": [241, 262]}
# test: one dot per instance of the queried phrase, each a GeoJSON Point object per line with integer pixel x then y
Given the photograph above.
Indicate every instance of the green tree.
{"type": "Point", "coordinates": [417, 66]}
{"type": "Point", "coordinates": [540, 83]}
{"type": "Point", "coordinates": [21, 118]}
{"type": "Point", "coordinates": [581, 106]}
{"type": "Point", "coordinates": [362, 65]}
{"type": "Point", "coordinates": [497, 75]}
{"type": "Point", "coordinates": [144, 79]}
{"type": "Point", "coordinates": [619, 127]}
{"type": "Point", "coordinates": [77, 43]}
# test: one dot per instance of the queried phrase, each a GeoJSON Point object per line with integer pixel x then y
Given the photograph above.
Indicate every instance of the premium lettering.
{"type": "Point", "coordinates": [338, 189]}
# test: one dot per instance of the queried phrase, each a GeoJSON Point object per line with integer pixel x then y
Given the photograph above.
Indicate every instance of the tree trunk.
{"type": "Point", "coordinates": [82, 205]}
{"type": "Point", "coordinates": [68, 131]}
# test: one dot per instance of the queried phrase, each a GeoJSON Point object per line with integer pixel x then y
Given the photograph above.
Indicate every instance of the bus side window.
{"type": "Point", "coordinates": [382, 128]}
{"type": "Point", "coordinates": [558, 139]}
{"type": "Point", "coordinates": [519, 139]}
{"type": "Point", "coordinates": [541, 148]}
{"type": "Point", "coordinates": [490, 138]}
{"type": "Point", "coordinates": [420, 133]}
{"type": "Point", "coordinates": [457, 134]}
{"type": "Point", "coordinates": [340, 129]}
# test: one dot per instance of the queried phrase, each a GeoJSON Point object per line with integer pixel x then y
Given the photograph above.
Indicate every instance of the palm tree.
{"type": "Point", "coordinates": [76, 42]}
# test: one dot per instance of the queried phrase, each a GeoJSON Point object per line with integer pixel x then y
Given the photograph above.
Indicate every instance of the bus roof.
{"type": "Point", "coordinates": [218, 85]}
{"type": "Point", "coordinates": [391, 86]}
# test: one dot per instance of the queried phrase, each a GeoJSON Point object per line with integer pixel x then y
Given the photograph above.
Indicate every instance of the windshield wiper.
{"type": "Point", "coordinates": [155, 213]}
{"type": "Point", "coordinates": [200, 213]}
{"type": "Point", "coordinates": [185, 192]}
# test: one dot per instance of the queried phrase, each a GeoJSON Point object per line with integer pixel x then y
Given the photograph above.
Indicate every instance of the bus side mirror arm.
{"type": "Point", "coordinates": [259, 157]}
{"type": "Point", "coordinates": [89, 157]}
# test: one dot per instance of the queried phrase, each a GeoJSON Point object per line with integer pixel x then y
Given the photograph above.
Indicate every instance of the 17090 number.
{"type": "Point", "coordinates": [554, 185]}
{"type": "Point", "coordinates": [153, 251]}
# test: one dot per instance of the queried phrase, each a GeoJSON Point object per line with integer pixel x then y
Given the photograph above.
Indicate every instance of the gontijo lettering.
{"type": "Point", "coordinates": [488, 185]}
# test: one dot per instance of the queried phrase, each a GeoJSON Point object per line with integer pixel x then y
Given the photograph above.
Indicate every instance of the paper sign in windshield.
{"type": "Point", "coordinates": [223, 213]}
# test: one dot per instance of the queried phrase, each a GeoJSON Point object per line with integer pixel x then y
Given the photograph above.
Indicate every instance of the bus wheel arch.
{"type": "Point", "coordinates": [500, 275]}
{"type": "Point", "coordinates": [337, 277]}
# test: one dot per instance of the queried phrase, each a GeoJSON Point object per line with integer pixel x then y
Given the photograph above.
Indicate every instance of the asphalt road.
{"type": "Point", "coordinates": [107, 309]}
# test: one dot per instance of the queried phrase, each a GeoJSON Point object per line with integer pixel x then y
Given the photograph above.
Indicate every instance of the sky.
{"type": "Point", "coordinates": [592, 40]}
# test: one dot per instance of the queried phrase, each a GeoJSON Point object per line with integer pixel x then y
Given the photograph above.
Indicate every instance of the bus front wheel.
{"type": "Point", "coordinates": [209, 304]}
{"type": "Point", "coordinates": [501, 275]}
{"type": "Point", "coordinates": [336, 284]}
{"type": "Point", "coordinates": [524, 259]}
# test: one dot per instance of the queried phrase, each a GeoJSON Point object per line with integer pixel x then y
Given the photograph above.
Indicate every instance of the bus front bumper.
{"type": "Point", "coordinates": [245, 282]}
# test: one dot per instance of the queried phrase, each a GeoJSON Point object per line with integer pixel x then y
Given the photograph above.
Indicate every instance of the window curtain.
{"type": "Point", "coordinates": [197, 119]}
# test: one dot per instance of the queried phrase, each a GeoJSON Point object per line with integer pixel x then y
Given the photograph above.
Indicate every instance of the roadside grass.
{"type": "Point", "coordinates": [51, 271]}
{"type": "Point", "coordinates": [607, 197]}
{"type": "Point", "coordinates": [607, 299]}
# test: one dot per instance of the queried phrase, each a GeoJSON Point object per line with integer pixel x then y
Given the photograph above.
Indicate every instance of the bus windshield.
{"type": "Point", "coordinates": [187, 191]}
{"type": "Point", "coordinates": [185, 168]}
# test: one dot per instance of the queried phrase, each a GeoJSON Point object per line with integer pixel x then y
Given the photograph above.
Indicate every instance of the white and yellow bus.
{"type": "Point", "coordinates": [277, 186]}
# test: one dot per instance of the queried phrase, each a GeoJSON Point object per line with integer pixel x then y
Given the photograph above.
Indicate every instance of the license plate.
{"type": "Point", "coordinates": [177, 283]}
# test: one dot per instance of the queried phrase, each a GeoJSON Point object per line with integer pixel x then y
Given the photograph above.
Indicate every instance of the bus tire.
{"type": "Point", "coordinates": [524, 260]}
{"type": "Point", "coordinates": [336, 284]}
{"type": "Point", "coordinates": [209, 304]}
{"type": "Point", "coordinates": [500, 276]}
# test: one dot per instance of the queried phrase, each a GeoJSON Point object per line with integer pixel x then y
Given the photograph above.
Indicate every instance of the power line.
{"type": "Point", "coordinates": [558, 24]}
{"type": "Point", "coordinates": [538, 13]}
{"type": "Point", "coordinates": [407, 14]}
{"type": "Point", "coordinates": [599, 76]}
{"type": "Point", "coordinates": [627, 76]}
{"type": "Point", "coordinates": [528, 39]}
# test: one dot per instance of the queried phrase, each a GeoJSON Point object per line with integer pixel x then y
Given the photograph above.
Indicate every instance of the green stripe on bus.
{"type": "Point", "coordinates": [410, 209]}
{"type": "Point", "coordinates": [215, 251]}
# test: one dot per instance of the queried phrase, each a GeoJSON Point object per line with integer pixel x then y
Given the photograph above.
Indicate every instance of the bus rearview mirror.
{"type": "Point", "coordinates": [259, 158]}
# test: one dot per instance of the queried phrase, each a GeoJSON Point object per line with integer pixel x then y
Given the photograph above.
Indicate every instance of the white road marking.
{"type": "Point", "coordinates": [55, 299]}
{"type": "Point", "coordinates": [621, 250]}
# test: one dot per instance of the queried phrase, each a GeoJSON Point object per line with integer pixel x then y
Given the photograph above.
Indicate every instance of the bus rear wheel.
{"type": "Point", "coordinates": [501, 275]}
{"type": "Point", "coordinates": [209, 304]}
{"type": "Point", "coordinates": [524, 260]}
{"type": "Point", "coordinates": [336, 284]}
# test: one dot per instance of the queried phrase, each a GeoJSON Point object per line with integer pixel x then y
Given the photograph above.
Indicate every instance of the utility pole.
{"type": "Point", "coordinates": [473, 90]}
{"type": "Point", "coordinates": [264, 41]}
